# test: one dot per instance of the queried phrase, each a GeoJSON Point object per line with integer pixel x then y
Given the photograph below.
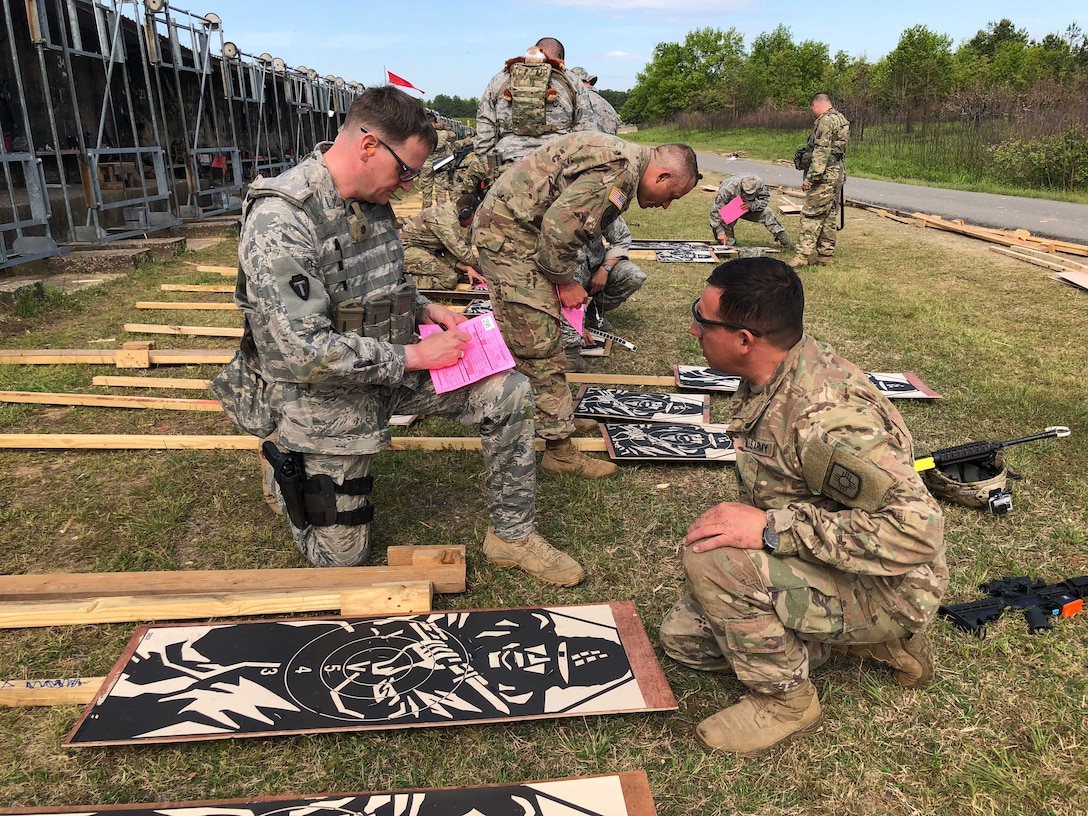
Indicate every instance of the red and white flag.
{"type": "Point", "coordinates": [400, 81]}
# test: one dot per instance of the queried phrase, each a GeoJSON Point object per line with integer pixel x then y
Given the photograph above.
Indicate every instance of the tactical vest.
{"type": "Point", "coordinates": [360, 264]}
{"type": "Point", "coordinates": [842, 131]}
{"type": "Point", "coordinates": [530, 93]}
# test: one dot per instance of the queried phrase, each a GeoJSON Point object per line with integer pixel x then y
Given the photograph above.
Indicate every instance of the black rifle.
{"type": "Point", "coordinates": [982, 453]}
{"type": "Point", "coordinates": [1040, 602]}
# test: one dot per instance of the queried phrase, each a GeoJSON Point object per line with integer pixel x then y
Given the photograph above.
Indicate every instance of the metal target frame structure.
{"type": "Point", "coordinates": [122, 117]}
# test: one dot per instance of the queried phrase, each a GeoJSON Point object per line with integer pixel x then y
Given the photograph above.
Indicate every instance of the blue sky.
{"type": "Point", "coordinates": [455, 47]}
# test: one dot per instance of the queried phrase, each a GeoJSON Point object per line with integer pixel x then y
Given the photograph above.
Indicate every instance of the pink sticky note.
{"type": "Point", "coordinates": [733, 210]}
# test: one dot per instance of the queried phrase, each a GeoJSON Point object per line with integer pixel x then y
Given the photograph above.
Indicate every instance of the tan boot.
{"type": "Point", "coordinates": [760, 721]}
{"type": "Point", "coordinates": [585, 426]}
{"type": "Point", "coordinates": [798, 260]}
{"type": "Point", "coordinates": [911, 658]}
{"type": "Point", "coordinates": [536, 556]}
{"type": "Point", "coordinates": [824, 260]}
{"type": "Point", "coordinates": [560, 456]}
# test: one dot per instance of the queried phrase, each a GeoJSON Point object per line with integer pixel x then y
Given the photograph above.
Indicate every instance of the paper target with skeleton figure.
{"type": "Point", "coordinates": [619, 404]}
{"type": "Point", "coordinates": [215, 681]}
{"type": "Point", "coordinates": [660, 442]}
{"type": "Point", "coordinates": [892, 386]}
{"type": "Point", "coordinates": [625, 794]}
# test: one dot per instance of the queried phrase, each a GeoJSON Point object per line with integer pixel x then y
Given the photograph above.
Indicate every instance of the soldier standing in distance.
{"type": "Point", "coordinates": [528, 231]}
{"type": "Point", "coordinates": [330, 352]}
{"type": "Point", "coordinates": [834, 542]}
{"type": "Point", "coordinates": [824, 178]}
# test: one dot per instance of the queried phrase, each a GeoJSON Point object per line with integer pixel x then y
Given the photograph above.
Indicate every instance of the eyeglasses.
{"type": "Point", "coordinates": [406, 173]}
{"type": "Point", "coordinates": [703, 321]}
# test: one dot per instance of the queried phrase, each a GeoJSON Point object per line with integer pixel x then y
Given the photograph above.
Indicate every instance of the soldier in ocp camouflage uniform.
{"type": "Point", "coordinates": [834, 543]}
{"type": "Point", "coordinates": [429, 185]}
{"type": "Point", "coordinates": [532, 100]}
{"type": "Point", "coordinates": [329, 352]}
{"type": "Point", "coordinates": [528, 231]}
{"type": "Point", "coordinates": [757, 198]}
{"type": "Point", "coordinates": [823, 183]}
{"type": "Point", "coordinates": [436, 244]}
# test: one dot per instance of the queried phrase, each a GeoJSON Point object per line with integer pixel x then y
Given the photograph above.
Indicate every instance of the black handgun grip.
{"type": "Point", "coordinates": [289, 472]}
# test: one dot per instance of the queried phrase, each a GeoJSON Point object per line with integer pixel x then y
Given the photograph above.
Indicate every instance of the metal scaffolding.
{"type": "Point", "coordinates": [122, 117]}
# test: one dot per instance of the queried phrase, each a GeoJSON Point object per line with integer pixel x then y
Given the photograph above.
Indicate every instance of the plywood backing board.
{"type": "Point", "coordinates": [443, 566]}
{"type": "Point", "coordinates": [1075, 279]}
{"type": "Point", "coordinates": [664, 442]}
{"type": "Point", "coordinates": [364, 599]}
{"type": "Point", "coordinates": [262, 678]}
{"type": "Point", "coordinates": [623, 794]}
{"type": "Point", "coordinates": [618, 405]}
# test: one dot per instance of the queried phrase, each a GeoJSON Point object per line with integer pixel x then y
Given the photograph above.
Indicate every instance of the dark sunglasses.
{"type": "Point", "coordinates": [704, 321]}
{"type": "Point", "coordinates": [406, 172]}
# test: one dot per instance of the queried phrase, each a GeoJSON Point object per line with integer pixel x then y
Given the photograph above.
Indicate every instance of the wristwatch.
{"type": "Point", "coordinates": [770, 540]}
{"type": "Point", "coordinates": [608, 266]}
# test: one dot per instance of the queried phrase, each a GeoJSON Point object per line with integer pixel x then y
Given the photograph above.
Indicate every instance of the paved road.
{"type": "Point", "coordinates": [1050, 219]}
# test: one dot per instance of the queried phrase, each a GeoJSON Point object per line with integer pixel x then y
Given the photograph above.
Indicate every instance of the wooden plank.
{"type": "Point", "coordinates": [1055, 265]}
{"type": "Point", "coordinates": [197, 287]}
{"type": "Point", "coordinates": [110, 401]}
{"type": "Point", "coordinates": [446, 577]}
{"type": "Point", "coordinates": [191, 356]}
{"type": "Point", "coordinates": [217, 270]}
{"type": "Point", "coordinates": [49, 691]}
{"type": "Point", "coordinates": [58, 356]}
{"type": "Point", "coordinates": [1076, 266]}
{"type": "Point", "coordinates": [620, 379]}
{"type": "Point", "coordinates": [150, 382]}
{"type": "Point", "coordinates": [230, 442]}
{"type": "Point", "coordinates": [185, 304]}
{"type": "Point", "coordinates": [390, 599]}
{"type": "Point", "coordinates": [193, 331]}
{"type": "Point", "coordinates": [424, 555]}
{"type": "Point", "coordinates": [387, 599]}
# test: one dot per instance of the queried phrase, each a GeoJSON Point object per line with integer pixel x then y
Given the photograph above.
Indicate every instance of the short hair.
{"type": "Point", "coordinates": [391, 111]}
{"type": "Point", "coordinates": [762, 293]}
{"type": "Point", "coordinates": [822, 97]}
{"type": "Point", "coordinates": [681, 158]}
{"type": "Point", "coordinates": [552, 47]}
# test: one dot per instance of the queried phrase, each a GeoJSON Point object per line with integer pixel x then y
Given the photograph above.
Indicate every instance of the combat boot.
{"type": "Point", "coordinates": [585, 426]}
{"type": "Point", "coordinates": [575, 361]}
{"type": "Point", "coordinates": [911, 658]}
{"type": "Point", "coordinates": [560, 456]}
{"type": "Point", "coordinates": [536, 556]}
{"type": "Point", "coordinates": [799, 260]}
{"type": "Point", "coordinates": [784, 241]}
{"type": "Point", "coordinates": [760, 721]}
{"type": "Point", "coordinates": [824, 260]}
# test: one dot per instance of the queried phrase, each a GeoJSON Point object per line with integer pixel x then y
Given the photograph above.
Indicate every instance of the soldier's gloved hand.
{"type": "Point", "coordinates": [572, 295]}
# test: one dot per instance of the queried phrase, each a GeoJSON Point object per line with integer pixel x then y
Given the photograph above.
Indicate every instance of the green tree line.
{"type": "Point", "coordinates": [999, 102]}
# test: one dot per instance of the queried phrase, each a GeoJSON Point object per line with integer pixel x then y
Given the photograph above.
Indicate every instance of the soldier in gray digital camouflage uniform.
{"type": "Point", "coordinates": [834, 543]}
{"type": "Point", "coordinates": [330, 354]}
{"type": "Point", "coordinates": [608, 121]}
{"type": "Point", "coordinates": [757, 198]}
{"type": "Point", "coordinates": [533, 99]}
{"type": "Point", "coordinates": [436, 245]}
{"type": "Point", "coordinates": [824, 177]}
{"type": "Point", "coordinates": [528, 231]}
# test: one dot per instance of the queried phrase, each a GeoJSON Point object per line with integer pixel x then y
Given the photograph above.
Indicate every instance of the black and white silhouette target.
{"type": "Point", "coordinates": [892, 385]}
{"type": "Point", "coordinates": [212, 681]}
{"type": "Point", "coordinates": [618, 404]}
{"type": "Point", "coordinates": [662, 442]}
{"type": "Point", "coordinates": [626, 794]}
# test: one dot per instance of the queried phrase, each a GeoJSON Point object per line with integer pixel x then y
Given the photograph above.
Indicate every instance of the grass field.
{"type": "Point", "coordinates": [1003, 730]}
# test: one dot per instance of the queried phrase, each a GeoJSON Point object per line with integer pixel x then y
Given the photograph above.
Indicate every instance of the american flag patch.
{"type": "Point", "coordinates": [617, 198]}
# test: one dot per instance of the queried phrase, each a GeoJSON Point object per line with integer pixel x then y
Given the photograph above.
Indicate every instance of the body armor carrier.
{"type": "Point", "coordinates": [529, 91]}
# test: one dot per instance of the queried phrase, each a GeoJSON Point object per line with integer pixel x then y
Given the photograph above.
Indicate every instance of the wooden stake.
{"type": "Point", "coordinates": [150, 382]}
{"type": "Point", "coordinates": [51, 691]}
{"type": "Point", "coordinates": [110, 401]}
{"type": "Point", "coordinates": [621, 379]}
{"type": "Point", "coordinates": [387, 599]}
{"type": "Point", "coordinates": [119, 357]}
{"type": "Point", "coordinates": [225, 271]}
{"type": "Point", "coordinates": [194, 331]}
{"type": "Point", "coordinates": [197, 287]}
{"type": "Point", "coordinates": [183, 304]}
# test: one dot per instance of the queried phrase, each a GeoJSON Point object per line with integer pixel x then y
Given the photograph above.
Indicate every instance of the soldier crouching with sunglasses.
{"type": "Point", "coordinates": [330, 352]}
{"type": "Point", "coordinates": [834, 544]}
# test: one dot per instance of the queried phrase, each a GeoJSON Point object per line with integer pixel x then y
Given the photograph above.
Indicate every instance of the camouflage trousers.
{"type": "Point", "coordinates": [768, 618]}
{"type": "Point", "coordinates": [435, 187]}
{"type": "Point", "coordinates": [623, 281]}
{"type": "Point", "coordinates": [766, 217]}
{"type": "Point", "coordinates": [428, 270]}
{"type": "Point", "coordinates": [819, 220]}
{"type": "Point", "coordinates": [501, 405]}
{"type": "Point", "coordinates": [534, 337]}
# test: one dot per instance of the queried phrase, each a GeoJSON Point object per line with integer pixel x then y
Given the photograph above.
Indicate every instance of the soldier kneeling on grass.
{"type": "Point", "coordinates": [834, 545]}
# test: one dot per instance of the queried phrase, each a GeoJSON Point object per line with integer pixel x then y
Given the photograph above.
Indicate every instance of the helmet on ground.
{"type": "Point", "coordinates": [968, 483]}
